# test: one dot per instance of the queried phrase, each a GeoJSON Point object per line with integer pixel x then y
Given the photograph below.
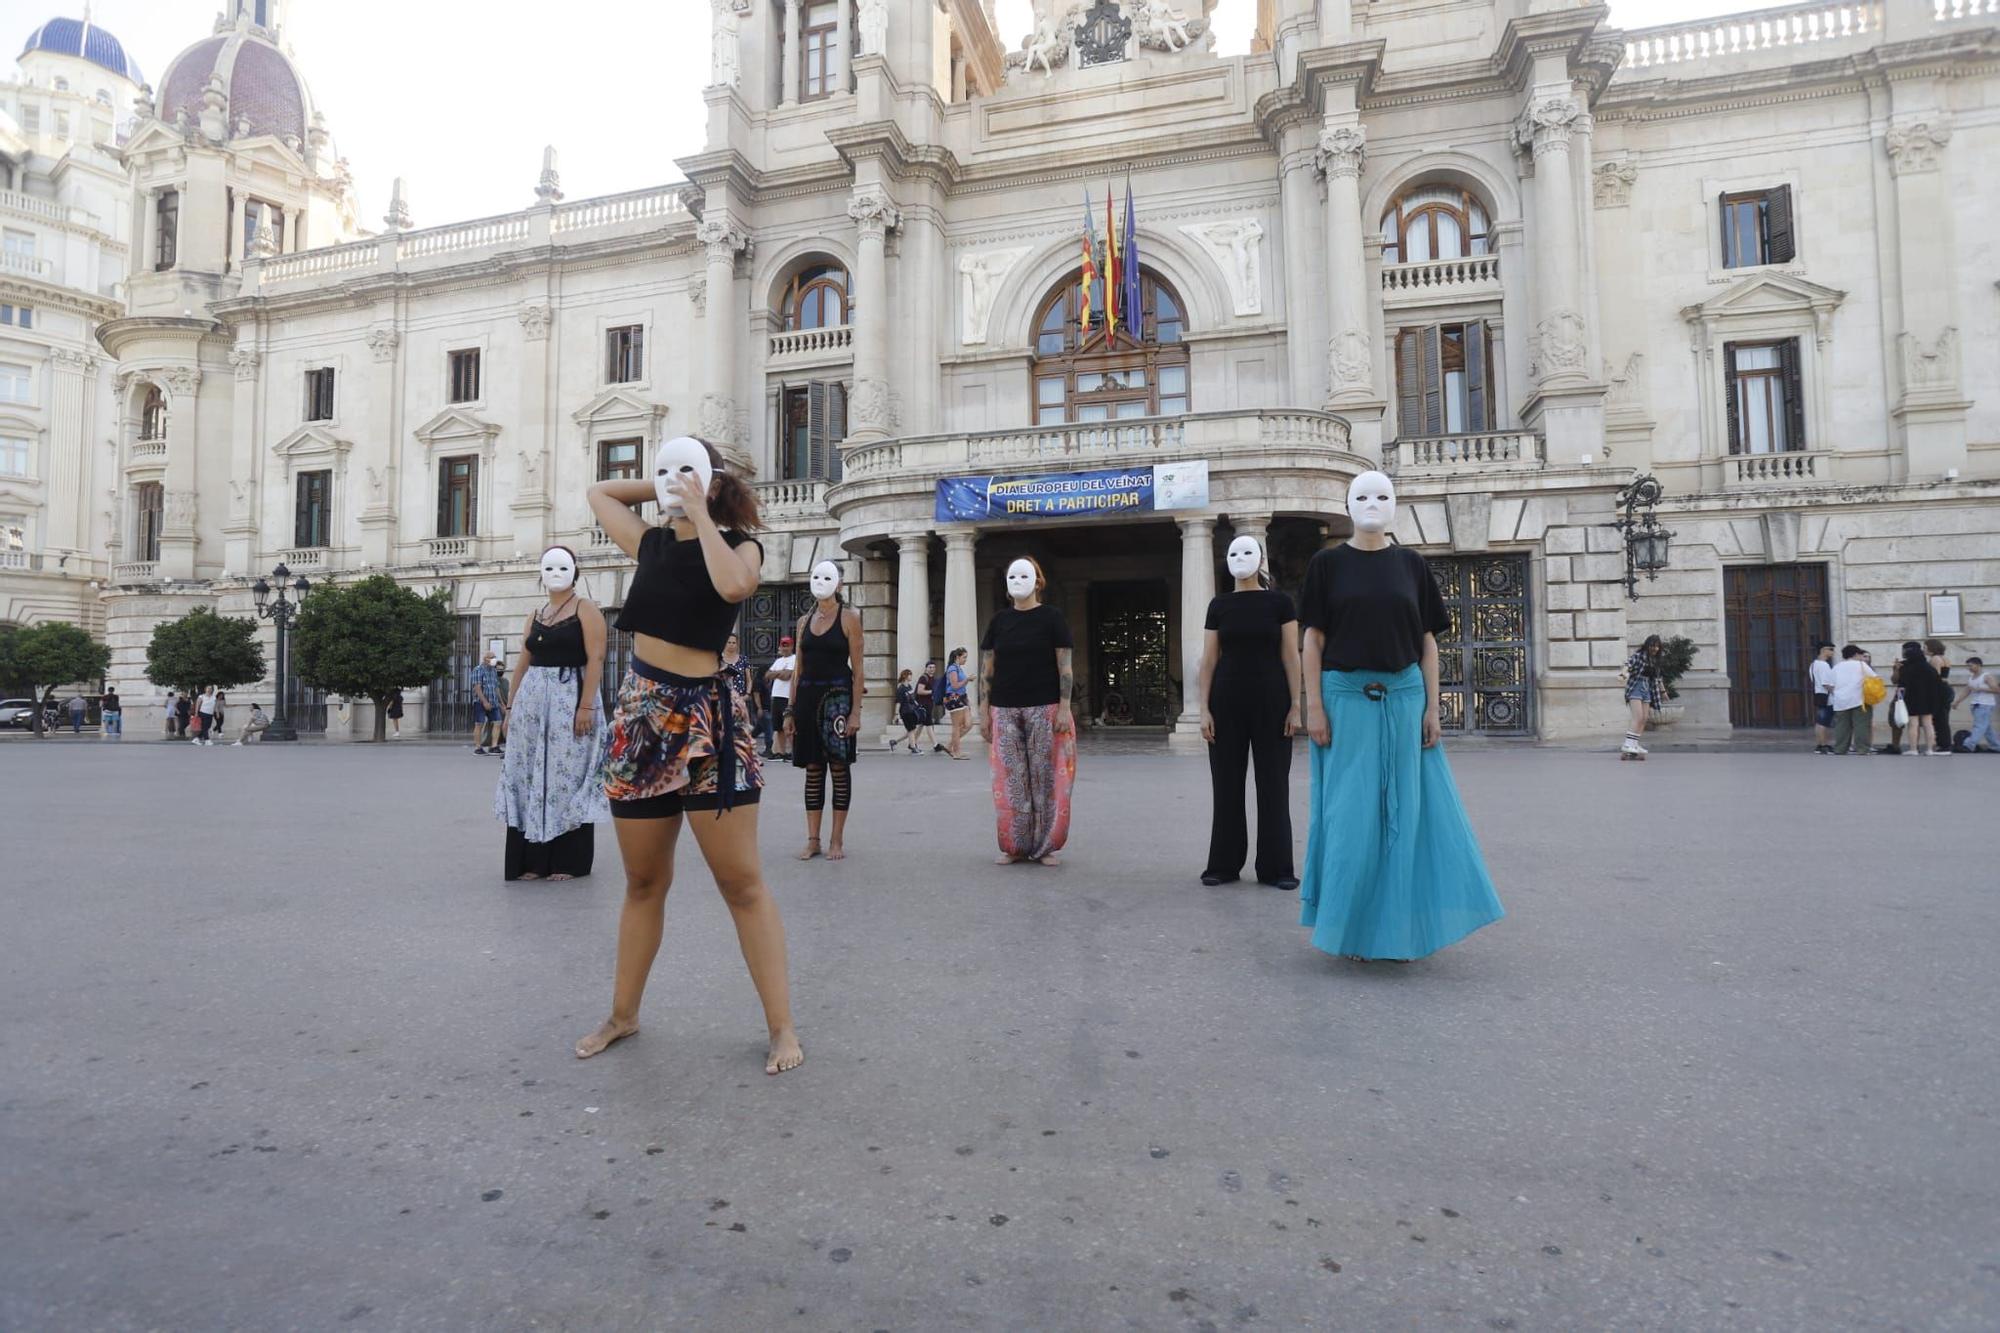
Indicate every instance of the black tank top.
{"type": "Point", "coordinates": [823, 657]}
{"type": "Point", "coordinates": [673, 599]}
{"type": "Point", "coordinates": [557, 645]}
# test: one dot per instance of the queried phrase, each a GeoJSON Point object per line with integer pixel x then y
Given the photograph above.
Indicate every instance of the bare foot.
{"type": "Point", "coordinates": [812, 849]}
{"type": "Point", "coordinates": [558, 879]}
{"type": "Point", "coordinates": [1005, 860]}
{"type": "Point", "coordinates": [786, 1053]}
{"type": "Point", "coordinates": [1051, 860]}
{"type": "Point", "coordinates": [527, 877]}
{"type": "Point", "coordinates": [613, 1030]}
{"type": "Point", "coordinates": [835, 852]}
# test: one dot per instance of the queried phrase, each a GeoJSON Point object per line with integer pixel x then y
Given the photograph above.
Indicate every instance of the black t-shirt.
{"type": "Point", "coordinates": [1023, 644]}
{"type": "Point", "coordinates": [1250, 625]}
{"type": "Point", "coordinates": [1373, 607]}
{"type": "Point", "coordinates": [672, 597]}
{"type": "Point", "coordinates": [111, 704]}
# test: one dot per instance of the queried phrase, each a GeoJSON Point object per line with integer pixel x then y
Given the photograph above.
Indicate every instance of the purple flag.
{"type": "Point", "coordinates": [1135, 313]}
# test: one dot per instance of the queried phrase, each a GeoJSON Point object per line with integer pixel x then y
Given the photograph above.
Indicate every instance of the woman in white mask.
{"type": "Point", "coordinates": [1250, 705]}
{"type": "Point", "coordinates": [681, 751]}
{"type": "Point", "coordinates": [1393, 871]}
{"type": "Point", "coordinates": [826, 713]}
{"type": "Point", "coordinates": [551, 793]}
{"type": "Point", "coordinates": [1026, 680]}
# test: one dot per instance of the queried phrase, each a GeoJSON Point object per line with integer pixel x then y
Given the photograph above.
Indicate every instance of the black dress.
{"type": "Point", "coordinates": [823, 697]}
{"type": "Point", "coordinates": [1249, 698]}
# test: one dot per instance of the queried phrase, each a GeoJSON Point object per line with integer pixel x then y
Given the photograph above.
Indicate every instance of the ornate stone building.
{"type": "Point", "coordinates": [1510, 254]}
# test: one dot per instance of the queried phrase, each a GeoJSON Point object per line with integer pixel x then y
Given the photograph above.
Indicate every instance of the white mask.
{"type": "Point", "coordinates": [825, 579]}
{"type": "Point", "coordinates": [1020, 579]}
{"type": "Point", "coordinates": [558, 570]}
{"type": "Point", "coordinates": [1371, 502]}
{"type": "Point", "coordinates": [676, 458]}
{"type": "Point", "coordinates": [1245, 559]}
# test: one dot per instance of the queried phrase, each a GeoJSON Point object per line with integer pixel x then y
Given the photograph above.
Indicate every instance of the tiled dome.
{"type": "Point", "coordinates": [82, 38]}
{"type": "Point", "coordinates": [263, 87]}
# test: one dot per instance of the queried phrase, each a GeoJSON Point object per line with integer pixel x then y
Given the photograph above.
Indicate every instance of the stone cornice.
{"type": "Point", "coordinates": [17, 290]}
{"type": "Point", "coordinates": [116, 334]}
{"type": "Point", "coordinates": [1355, 65]}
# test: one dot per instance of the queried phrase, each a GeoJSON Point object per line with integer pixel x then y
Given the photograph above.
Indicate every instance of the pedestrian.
{"type": "Point", "coordinates": [1393, 870]}
{"type": "Point", "coordinates": [1850, 701]}
{"type": "Point", "coordinates": [395, 715]}
{"type": "Point", "coordinates": [1941, 714]}
{"type": "Point", "coordinates": [204, 718]}
{"type": "Point", "coordinates": [780, 674]}
{"type": "Point", "coordinates": [77, 708]}
{"type": "Point", "coordinates": [45, 714]}
{"type": "Point", "coordinates": [736, 666]}
{"type": "Point", "coordinates": [173, 713]}
{"type": "Point", "coordinates": [111, 716]}
{"type": "Point", "coordinates": [826, 707]}
{"type": "Point", "coordinates": [929, 683]}
{"type": "Point", "coordinates": [1982, 692]}
{"type": "Point", "coordinates": [254, 729]}
{"type": "Point", "coordinates": [551, 789]}
{"type": "Point", "coordinates": [1249, 714]}
{"type": "Point", "coordinates": [486, 714]}
{"type": "Point", "coordinates": [1921, 686]}
{"type": "Point", "coordinates": [221, 709]}
{"type": "Point", "coordinates": [1026, 682]}
{"type": "Point", "coordinates": [957, 703]}
{"type": "Point", "coordinates": [1644, 691]}
{"type": "Point", "coordinates": [1821, 673]}
{"type": "Point", "coordinates": [680, 742]}
{"type": "Point", "coordinates": [183, 715]}
{"type": "Point", "coordinates": [909, 711]}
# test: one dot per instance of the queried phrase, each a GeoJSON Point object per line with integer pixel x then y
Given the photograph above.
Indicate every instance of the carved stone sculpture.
{"type": "Point", "coordinates": [1237, 246]}
{"type": "Point", "coordinates": [715, 420]}
{"type": "Point", "coordinates": [1560, 346]}
{"type": "Point", "coordinates": [245, 361]}
{"type": "Point", "coordinates": [725, 60]}
{"type": "Point", "coordinates": [1343, 150]}
{"type": "Point", "coordinates": [1914, 145]}
{"type": "Point", "coordinates": [383, 342]}
{"type": "Point", "coordinates": [1350, 361]}
{"type": "Point", "coordinates": [871, 406]}
{"type": "Point", "coordinates": [534, 317]}
{"type": "Point", "coordinates": [1611, 184]}
{"type": "Point", "coordinates": [182, 381]}
{"type": "Point", "coordinates": [874, 27]}
{"type": "Point", "coordinates": [980, 276]}
{"type": "Point", "coordinates": [1930, 367]}
{"type": "Point", "coordinates": [531, 472]}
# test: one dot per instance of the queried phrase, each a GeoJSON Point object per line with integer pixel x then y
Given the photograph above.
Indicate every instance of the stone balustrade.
{"type": "Point", "coordinates": [480, 234]}
{"type": "Point", "coordinates": [1441, 280]}
{"type": "Point", "coordinates": [357, 255]}
{"type": "Point", "coordinates": [306, 557]}
{"type": "Point", "coordinates": [1464, 453]}
{"type": "Point", "coordinates": [136, 571]}
{"type": "Point", "coordinates": [149, 451]}
{"type": "Point", "coordinates": [1947, 10]}
{"type": "Point", "coordinates": [791, 499]}
{"type": "Point", "coordinates": [19, 560]}
{"type": "Point", "coordinates": [448, 548]}
{"type": "Point", "coordinates": [48, 210]}
{"type": "Point", "coordinates": [835, 341]}
{"type": "Point", "coordinates": [32, 266]}
{"type": "Point", "coordinates": [1783, 27]}
{"type": "Point", "coordinates": [617, 209]}
{"type": "Point", "coordinates": [1782, 469]}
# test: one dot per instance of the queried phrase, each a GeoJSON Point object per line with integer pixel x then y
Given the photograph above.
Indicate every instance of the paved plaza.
{"type": "Point", "coordinates": [282, 1051]}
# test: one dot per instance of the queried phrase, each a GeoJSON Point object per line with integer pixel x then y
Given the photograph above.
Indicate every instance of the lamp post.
{"type": "Point", "coordinates": [1648, 546]}
{"type": "Point", "coordinates": [281, 612]}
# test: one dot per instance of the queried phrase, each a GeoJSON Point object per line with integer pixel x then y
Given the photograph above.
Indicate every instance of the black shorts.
{"type": "Point", "coordinates": [674, 804]}
{"type": "Point", "coordinates": [779, 707]}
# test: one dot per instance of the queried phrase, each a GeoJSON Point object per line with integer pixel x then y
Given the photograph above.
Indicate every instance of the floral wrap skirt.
{"type": "Point", "coordinates": [679, 743]}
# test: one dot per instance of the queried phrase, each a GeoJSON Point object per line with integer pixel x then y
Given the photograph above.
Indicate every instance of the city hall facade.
{"type": "Point", "coordinates": [1513, 257]}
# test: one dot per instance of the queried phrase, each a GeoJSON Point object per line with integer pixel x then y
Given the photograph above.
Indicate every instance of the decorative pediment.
{"type": "Point", "coordinates": [620, 405]}
{"type": "Point", "coordinates": [1765, 293]}
{"type": "Point", "coordinates": [455, 426]}
{"type": "Point", "coordinates": [152, 137]}
{"type": "Point", "coordinates": [309, 440]}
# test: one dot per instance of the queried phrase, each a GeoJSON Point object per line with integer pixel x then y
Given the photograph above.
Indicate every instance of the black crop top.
{"type": "Point", "coordinates": [557, 645]}
{"type": "Point", "coordinates": [672, 597]}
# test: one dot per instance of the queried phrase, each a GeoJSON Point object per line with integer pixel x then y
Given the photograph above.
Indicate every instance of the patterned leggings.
{"type": "Point", "coordinates": [1034, 768]}
{"type": "Point", "coordinates": [843, 786]}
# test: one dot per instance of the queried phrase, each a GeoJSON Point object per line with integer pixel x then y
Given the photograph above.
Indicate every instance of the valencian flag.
{"type": "Point", "coordinates": [1134, 298]}
{"type": "Point", "coordinates": [1089, 266]}
{"type": "Point", "coordinates": [1113, 287]}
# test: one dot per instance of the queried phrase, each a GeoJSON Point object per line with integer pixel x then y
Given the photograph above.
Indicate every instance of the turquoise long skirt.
{"type": "Point", "coordinates": [1392, 867]}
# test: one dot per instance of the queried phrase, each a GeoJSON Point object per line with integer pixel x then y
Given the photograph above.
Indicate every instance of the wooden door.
{"type": "Point", "coordinates": [1773, 614]}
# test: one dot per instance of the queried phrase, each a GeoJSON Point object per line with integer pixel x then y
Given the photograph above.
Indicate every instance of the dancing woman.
{"type": "Point", "coordinates": [1392, 868]}
{"type": "Point", "coordinates": [1025, 681]}
{"type": "Point", "coordinates": [826, 707]}
{"type": "Point", "coordinates": [680, 743]}
{"type": "Point", "coordinates": [1250, 705]}
{"type": "Point", "coordinates": [551, 790]}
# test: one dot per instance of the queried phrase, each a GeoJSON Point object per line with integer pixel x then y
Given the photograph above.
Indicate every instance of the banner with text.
{"type": "Point", "coordinates": [1073, 494]}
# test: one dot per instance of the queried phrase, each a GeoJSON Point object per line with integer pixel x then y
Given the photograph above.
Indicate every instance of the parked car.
{"type": "Point", "coordinates": [17, 713]}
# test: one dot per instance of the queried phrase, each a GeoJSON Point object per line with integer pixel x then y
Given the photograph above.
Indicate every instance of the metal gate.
{"type": "Point", "coordinates": [1131, 659]}
{"type": "Point", "coordinates": [305, 707]}
{"type": "Point", "coordinates": [617, 660]}
{"type": "Point", "coordinates": [450, 707]}
{"type": "Point", "coordinates": [1483, 678]}
{"type": "Point", "coordinates": [1772, 615]}
{"type": "Point", "coordinates": [770, 614]}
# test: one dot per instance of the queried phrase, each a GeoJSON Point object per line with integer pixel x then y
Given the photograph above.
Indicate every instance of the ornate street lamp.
{"type": "Point", "coordinates": [281, 613]}
{"type": "Point", "coordinates": [1648, 546]}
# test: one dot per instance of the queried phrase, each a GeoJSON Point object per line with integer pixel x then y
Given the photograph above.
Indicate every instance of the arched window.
{"type": "Point", "coordinates": [1435, 222]}
{"type": "Point", "coordinates": [1105, 376]}
{"type": "Point", "coordinates": [153, 416]}
{"type": "Point", "coordinates": [817, 299]}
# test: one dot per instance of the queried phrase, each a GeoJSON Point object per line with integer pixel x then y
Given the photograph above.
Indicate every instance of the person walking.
{"type": "Point", "coordinates": [172, 709]}
{"type": "Point", "coordinates": [204, 718]}
{"type": "Point", "coordinates": [1026, 682]}
{"type": "Point", "coordinates": [77, 708]}
{"type": "Point", "coordinates": [111, 717]}
{"type": "Point", "coordinates": [1393, 870]}
{"type": "Point", "coordinates": [486, 714]}
{"type": "Point", "coordinates": [183, 716]}
{"type": "Point", "coordinates": [45, 713]}
{"type": "Point", "coordinates": [395, 715]}
{"type": "Point", "coordinates": [826, 707]}
{"type": "Point", "coordinates": [954, 685]}
{"type": "Point", "coordinates": [1921, 686]}
{"type": "Point", "coordinates": [1943, 742]}
{"type": "Point", "coordinates": [909, 711]}
{"type": "Point", "coordinates": [780, 674]}
{"type": "Point", "coordinates": [254, 729]}
{"type": "Point", "coordinates": [1982, 692]}
{"type": "Point", "coordinates": [1250, 706]}
{"type": "Point", "coordinates": [1850, 701]}
{"type": "Point", "coordinates": [928, 684]}
{"type": "Point", "coordinates": [551, 790]}
{"type": "Point", "coordinates": [681, 750]}
{"type": "Point", "coordinates": [221, 712]}
{"type": "Point", "coordinates": [1821, 673]}
{"type": "Point", "coordinates": [736, 667]}
{"type": "Point", "coordinates": [1644, 691]}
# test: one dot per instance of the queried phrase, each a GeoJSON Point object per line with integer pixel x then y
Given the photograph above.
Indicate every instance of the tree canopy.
{"type": "Point", "coordinates": [371, 638]}
{"type": "Point", "coordinates": [54, 652]}
{"type": "Point", "coordinates": [202, 649]}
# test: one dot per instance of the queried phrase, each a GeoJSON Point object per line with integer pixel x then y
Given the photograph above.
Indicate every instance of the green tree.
{"type": "Point", "coordinates": [1676, 659]}
{"type": "Point", "coordinates": [202, 649]}
{"type": "Point", "coordinates": [10, 659]}
{"type": "Point", "coordinates": [370, 639]}
{"type": "Point", "coordinates": [55, 652]}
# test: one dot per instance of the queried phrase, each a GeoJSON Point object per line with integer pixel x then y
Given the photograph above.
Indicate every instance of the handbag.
{"type": "Point", "coordinates": [1899, 713]}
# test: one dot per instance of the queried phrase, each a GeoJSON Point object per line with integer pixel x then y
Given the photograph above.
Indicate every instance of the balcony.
{"type": "Point", "coordinates": [1459, 454]}
{"type": "Point", "coordinates": [1810, 31]}
{"type": "Point", "coordinates": [1440, 280]}
{"type": "Point", "coordinates": [834, 344]}
{"type": "Point", "coordinates": [307, 557]}
{"type": "Point", "coordinates": [27, 265]}
{"type": "Point", "coordinates": [779, 500]}
{"type": "Point", "coordinates": [449, 548]}
{"type": "Point", "coordinates": [1796, 468]}
{"type": "Point", "coordinates": [136, 571]}
{"type": "Point", "coordinates": [149, 451]}
{"type": "Point", "coordinates": [29, 560]}
{"type": "Point", "coordinates": [34, 206]}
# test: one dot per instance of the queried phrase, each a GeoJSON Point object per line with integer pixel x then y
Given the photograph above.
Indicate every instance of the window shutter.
{"type": "Point", "coordinates": [471, 498]}
{"type": "Point", "coordinates": [300, 524]}
{"type": "Point", "coordinates": [444, 498]}
{"type": "Point", "coordinates": [1729, 398]}
{"type": "Point", "coordinates": [1409, 383]}
{"type": "Point", "coordinates": [815, 459]}
{"type": "Point", "coordinates": [1795, 398]}
{"type": "Point", "coordinates": [1778, 226]}
{"type": "Point", "coordinates": [1729, 259]}
{"type": "Point", "coordinates": [836, 418]}
{"type": "Point", "coordinates": [1475, 376]}
{"type": "Point", "coordinates": [638, 366]}
{"type": "Point", "coordinates": [611, 356]}
{"type": "Point", "coordinates": [1433, 380]}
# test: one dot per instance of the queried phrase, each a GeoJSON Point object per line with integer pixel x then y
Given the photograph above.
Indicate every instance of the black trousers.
{"type": "Point", "coordinates": [1250, 726]}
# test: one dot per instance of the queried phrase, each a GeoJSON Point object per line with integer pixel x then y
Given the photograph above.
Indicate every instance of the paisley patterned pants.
{"type": "Point", "coordinates": [1034, 768]}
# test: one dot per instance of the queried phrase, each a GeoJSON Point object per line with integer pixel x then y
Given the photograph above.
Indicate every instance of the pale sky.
{"type": "Point", "coordinates": [459, 96]}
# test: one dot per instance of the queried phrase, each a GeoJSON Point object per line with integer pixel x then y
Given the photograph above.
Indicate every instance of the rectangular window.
{"type": "Point", "coordinates": [31, 120]}
{"type": "Point", "coordinates": [1444, 380]}
{"type": "Point", "coordinates": [148, 507]}
{"type": "Point", "coordinates": [20, 316]}
{"type": "Point", "coordinates": [625, 354]}
{"type": "Point", "coordinates": [1757, 228]}
{"type": "Point", "coordinates": [17, 244]}
{"type": "Point", "coordinates": [62, 124]}
{"type": "Point", "coordinates": [813, 422]}
{"type": "Point", "coordinates": [312, 521]}
{"type": "Point", "coordinates": [13, 533]}
{"type": "Point", "coordinates": [167, 229]}
{"type": "Point", "coordinates": [618, 460]}
{"type": "Point", "coordinates": [319, 394]}
{"type": "Point", "coordinates": [819, 39]}
{"type": "Point", "coordinates": [1766, 405]}
{"type": "Point", "coordinates": [462, 372]}
{"type": "Point", "coordinates": [17, 383]}
{"type": "Point", "coordinates": [458, 496]}
{"type": "Point", "coordinates": [16, 456]}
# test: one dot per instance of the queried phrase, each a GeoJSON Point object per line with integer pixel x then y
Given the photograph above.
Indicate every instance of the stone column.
{"type": "Point", "coordinates": [1560, 345]}
{"type": "Point", "coordinates": [869, 415]}
{"type": "Point", "coordinates": [716, 420]}
{"type": "Point", "coordinates": [961, 607]}
{"type": "Point", "coordinates": [1252, 525]}
{"type": "Point", "coordinates": [1197, 590]}
{"type": "Point", "coordinates": [531, 505]}
{"type": "Point", "coordinates": [1932, 404]}
{"type": "Point", "coordinates": [72, 375]}
{"type": "Point", "coordinates": [1305, 334]}
{"type": "Point", "coordinates": [843, 55]}
{"type": "Point", "coordinates": [1343, 147]}
{"type": "Point", "coordinates": [177, 523]}
{"type": "Point", "coordinates": [788, 88]}
{"type": "Point", "coordinates": [913, 602]}
{"type": "Point", "coordinates": [240, 529]}
{"type": "Point", "coordinates": [378, 474]}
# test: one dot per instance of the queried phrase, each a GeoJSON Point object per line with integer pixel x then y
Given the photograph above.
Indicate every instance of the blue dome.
{"type": "Point", "coordinates": [82, 38]}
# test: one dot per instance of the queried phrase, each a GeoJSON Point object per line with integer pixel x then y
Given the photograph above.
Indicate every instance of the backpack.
{"type": "Point", "coordinates": [1873, 691]}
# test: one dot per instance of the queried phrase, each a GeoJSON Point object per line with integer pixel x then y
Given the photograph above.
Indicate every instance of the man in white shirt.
{"type": "Point", "coordinates": [1982, 689]}
{"type": "Point", "coordinates": [1822, 687]}
{"type": "Point", "coordinates": [780, 673]}
{"type": "Point", "coordinates": [1851, 718]}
